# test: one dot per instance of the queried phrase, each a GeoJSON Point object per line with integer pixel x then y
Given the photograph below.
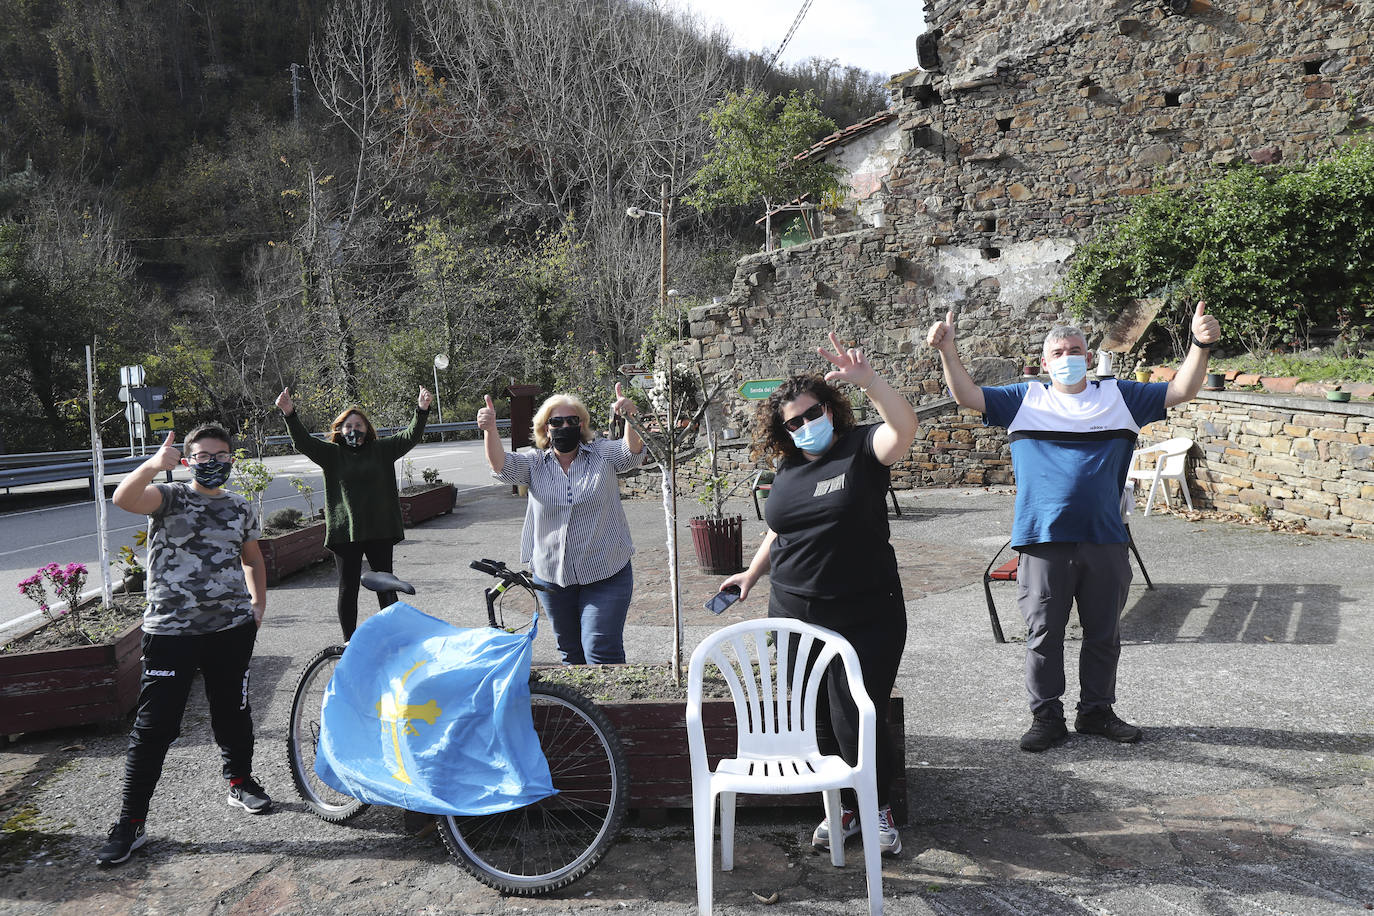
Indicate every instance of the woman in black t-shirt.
{"type": "Point", "coordinates": [827, 550]}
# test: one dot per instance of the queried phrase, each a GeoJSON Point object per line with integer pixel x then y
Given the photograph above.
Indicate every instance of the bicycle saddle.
{"type": "Point", "coordinates": [386, 582]}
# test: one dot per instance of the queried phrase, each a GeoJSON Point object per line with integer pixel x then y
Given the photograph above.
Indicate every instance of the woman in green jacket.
{"type": "Point", "coordinates": [362, 508]}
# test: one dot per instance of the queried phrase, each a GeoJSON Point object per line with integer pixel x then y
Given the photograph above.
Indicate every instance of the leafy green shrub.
{"type": "Point", "coordinates": [1273, 251]}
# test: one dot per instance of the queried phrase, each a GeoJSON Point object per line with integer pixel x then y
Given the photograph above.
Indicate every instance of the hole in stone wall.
{"type": "Point", "coordinates": [991, 254]}
{"type": "Point", "coordinates": [1312, 67]}
{"type": "Point", "coordinates": [1004, 124]}
{"type": "Point", "coordinates": [927, 96]}
{"type": "Point", "coordinates": [989, 224]}
{"type": "Point", "coordinates": [1171, 99]}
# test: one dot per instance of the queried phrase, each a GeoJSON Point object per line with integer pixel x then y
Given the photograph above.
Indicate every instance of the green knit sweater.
{"type": "Point", "coordinates": [360, 498]}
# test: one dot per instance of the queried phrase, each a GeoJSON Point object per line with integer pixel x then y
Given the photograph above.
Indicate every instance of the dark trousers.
{"type": "Point", "coordinates": [875, 626]}
{"type": "Point", "coordinates": [348, 560]}
{"type": "Point", "coordinates": [1048, 581]}
{"type": "Point", "coordinates": [169, 665]}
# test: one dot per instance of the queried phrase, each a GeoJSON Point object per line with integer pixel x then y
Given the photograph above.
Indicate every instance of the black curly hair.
{"type": "Point", "coordinates": [771, 438]}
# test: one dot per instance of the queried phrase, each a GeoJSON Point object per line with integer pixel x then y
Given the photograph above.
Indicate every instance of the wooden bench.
{"type": "Point", "coordinates": [1007, 573]}
{"type": "Point", "coordinates": [766, 488]}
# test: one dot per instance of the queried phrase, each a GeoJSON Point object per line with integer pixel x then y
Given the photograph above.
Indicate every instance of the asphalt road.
{"type": "Point", "coordinates": [65, 532]}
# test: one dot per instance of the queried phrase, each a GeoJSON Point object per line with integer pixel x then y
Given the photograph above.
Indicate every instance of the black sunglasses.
{"type": "Point", "coordinates": [812, 413]}
{"type": "Point", "coordinates": [555, 422]}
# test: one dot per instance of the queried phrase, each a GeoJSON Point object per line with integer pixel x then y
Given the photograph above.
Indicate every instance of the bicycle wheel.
{"type": "Point", "coordinates": [303, 736]}
{"type": "Point", "coordinates": [551, 843]}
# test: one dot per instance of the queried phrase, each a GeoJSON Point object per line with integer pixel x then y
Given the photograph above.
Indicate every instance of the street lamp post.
{"type": "Point", "coordinates": [440, 362]}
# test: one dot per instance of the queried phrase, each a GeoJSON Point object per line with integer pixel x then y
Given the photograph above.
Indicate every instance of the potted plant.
{"type": "Point", "coordinates": [79, 665]}
{"type": "Point", "coordinates": [717, 538]}
{"type": "Point", "coordinates": [1031, 365]}
{"type": "Point", "coordinates": [421, 502]}
{"type": "Point", "coordinates": [290, 542]}
{"type": "Point", "coordinates": [1142, 374]}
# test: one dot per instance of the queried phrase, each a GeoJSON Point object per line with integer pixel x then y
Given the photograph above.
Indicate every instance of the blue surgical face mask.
{"type": "Point", "coordinates": [815, 436]}
{"type": "Point", "coordinates": [212, 474]}
{"type": "Point", "coordinates": [1069, 370]}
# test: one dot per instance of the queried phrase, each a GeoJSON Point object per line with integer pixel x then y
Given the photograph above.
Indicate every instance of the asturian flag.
{"type": "Point", "coordinates": [427, 716]}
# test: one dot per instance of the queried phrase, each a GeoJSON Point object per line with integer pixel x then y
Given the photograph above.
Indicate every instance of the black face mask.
{"type": "Point", "coordinates": [212, 474]}
{"type": "Point", "coordinates": [354, 437]}
{"type": "Point", "coordinates": [566, 438]}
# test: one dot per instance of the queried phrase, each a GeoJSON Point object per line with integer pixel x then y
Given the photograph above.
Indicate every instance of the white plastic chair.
{"type": "Point", "coordinates": [776, 752]}
{"type": "Point", "coordinates": [1170, 456]}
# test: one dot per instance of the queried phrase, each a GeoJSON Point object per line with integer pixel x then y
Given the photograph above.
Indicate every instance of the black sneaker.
{"type": "Point", "coordinates": [1104, 722]}
{"type": "Point", "coordinates": [125, 837]}
{"type": "Point", "coordinates": [1045, 732]}
{"type": "Point", "coordinates": [249, 796]}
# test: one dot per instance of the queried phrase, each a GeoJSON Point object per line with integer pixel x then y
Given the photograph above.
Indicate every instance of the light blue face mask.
{"type": "Point", "coordinates": [814, 437]}
{"type": "Point", "coordinates": [1069, 370]}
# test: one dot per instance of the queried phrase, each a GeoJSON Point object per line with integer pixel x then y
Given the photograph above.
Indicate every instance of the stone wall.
{"type": "Point", "coordinates": [1043, 118]}
{"type": "Point", "coordinates": [1291, 459]}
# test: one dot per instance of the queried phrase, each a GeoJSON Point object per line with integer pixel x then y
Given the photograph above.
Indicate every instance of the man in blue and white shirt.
{"type": "Point", "coordinates": [1071, 445]}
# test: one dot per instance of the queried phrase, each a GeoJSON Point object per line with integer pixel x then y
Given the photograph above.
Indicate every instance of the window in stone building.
{"type": "Point", "coordinates": [1171, 99]}
{"type": "Point", "coordinates": [1312, 67]}
{"type": "Point", "coordinates": [1004, 124]}
{"type": "Point", "coordinates": [989, 224]}
{"type": "Point", "coordinates": [991, 254]}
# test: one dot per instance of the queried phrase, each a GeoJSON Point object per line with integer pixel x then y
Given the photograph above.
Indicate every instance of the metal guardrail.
{"type": "Point", "coordinates": [15, 474]}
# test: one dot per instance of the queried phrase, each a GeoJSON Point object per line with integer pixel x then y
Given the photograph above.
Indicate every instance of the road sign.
{"type": "Point", "coordinates": [759, 388]}
{"type": "Point", "coordinates": [633, 369]}
{"type": "Point", "coordinates": [641, 381]}
{"type": "Point", "coordinates": [150, 399]}
{"type": "Point", "coordinates": [131, 376]}
{"type": "Point", "coordinates": [162, 420]}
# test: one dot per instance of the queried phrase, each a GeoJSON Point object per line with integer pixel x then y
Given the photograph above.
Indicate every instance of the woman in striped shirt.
{"type": "Point", "coordinates": [576, 537]}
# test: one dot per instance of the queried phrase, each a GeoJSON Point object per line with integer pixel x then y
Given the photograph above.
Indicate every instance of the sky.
{"type": "Point", "coordinates": [878, 35]}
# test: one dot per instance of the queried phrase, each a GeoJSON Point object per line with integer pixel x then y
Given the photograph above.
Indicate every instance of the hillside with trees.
{"type": "Point", "coordinates": [243, 196]}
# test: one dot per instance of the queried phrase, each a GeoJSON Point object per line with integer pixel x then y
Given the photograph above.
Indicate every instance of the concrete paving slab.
{"type": "Point", "coordinates": [1253, 792]}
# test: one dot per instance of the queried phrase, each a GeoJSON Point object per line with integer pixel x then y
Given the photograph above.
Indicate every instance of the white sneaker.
{"type": "Point", "coordinates": [889, 843]}
{"type": "Point", "coordinates": [849, 825]}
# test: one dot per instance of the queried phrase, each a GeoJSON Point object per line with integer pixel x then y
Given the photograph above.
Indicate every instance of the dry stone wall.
{"type": "Point", "coordinates": [1041, 119]}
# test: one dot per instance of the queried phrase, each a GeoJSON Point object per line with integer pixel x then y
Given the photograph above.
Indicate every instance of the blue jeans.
{"type": "Point", "coordinates": [589, 620]}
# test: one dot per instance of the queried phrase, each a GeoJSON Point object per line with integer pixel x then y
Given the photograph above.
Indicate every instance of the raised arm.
{"type": "Point", "coordinates": [961, 385]}
{"type": "Point", "coordinates": [893, 439]}
{"type": "Point", "coordinates": [136, 492]}
{"type": "Point", "coordinates": [1186, 384]}
{"type": "Point", "coordinates": [408, 438]}
{"type": "Point", "coordinates": [316, 450]}
{"type": "Point", "coordinates": [626, 407]}
{"type": "Point", "coordinates": [491, 438]}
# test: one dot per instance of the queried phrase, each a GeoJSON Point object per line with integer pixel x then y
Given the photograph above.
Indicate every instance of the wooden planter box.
{"type": "Point", "coordinates": [419, 507]}
{"type": "Point", "coordinates": [654, 733]}
{"type": "Point", "coordinates": [59, 688]}
{"type": "Point", "coordinates": [284, 554]}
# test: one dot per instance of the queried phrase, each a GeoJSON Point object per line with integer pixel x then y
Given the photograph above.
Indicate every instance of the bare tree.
{"type": "Point", "coordinates": [571, 112]}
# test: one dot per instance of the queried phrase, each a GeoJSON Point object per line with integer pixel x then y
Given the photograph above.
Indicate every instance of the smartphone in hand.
{"type": "Point", "coordinates": [723, 599]}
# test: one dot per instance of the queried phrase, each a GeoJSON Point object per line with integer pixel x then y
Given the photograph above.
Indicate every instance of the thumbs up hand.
{"type": "Point", "coordinates": [168, 456]}
{"type": "Point", "coordinates": [486, 417]}
{"type": "Point", "coordinates": [623, 405]}
{"type": "Point", "coordinates": [941, 334]}
{"type": "Point", "coordinates": [1206, 328]}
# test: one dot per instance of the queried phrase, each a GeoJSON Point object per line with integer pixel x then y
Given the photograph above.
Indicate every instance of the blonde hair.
{"type": "Point", "coordinates": [541, 417]}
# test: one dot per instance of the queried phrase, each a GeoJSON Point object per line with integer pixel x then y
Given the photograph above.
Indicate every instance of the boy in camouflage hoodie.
{"type": "Point", "coordinates": [207, 590]}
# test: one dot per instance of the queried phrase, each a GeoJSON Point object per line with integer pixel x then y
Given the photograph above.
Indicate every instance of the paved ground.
{"type": "Point", "coordinates": [1253, 792]}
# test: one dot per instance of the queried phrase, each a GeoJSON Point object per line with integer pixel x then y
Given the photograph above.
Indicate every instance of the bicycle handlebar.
{"type": "Point", "coordinates": [499, 570]}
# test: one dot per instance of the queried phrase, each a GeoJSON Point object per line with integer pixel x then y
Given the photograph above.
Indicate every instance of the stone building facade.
{"type": "Point", "coordinates": [1034, 121]}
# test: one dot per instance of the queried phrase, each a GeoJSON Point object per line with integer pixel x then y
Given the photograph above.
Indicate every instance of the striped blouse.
{"type": "Point", "coordinates": [575, 530]}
